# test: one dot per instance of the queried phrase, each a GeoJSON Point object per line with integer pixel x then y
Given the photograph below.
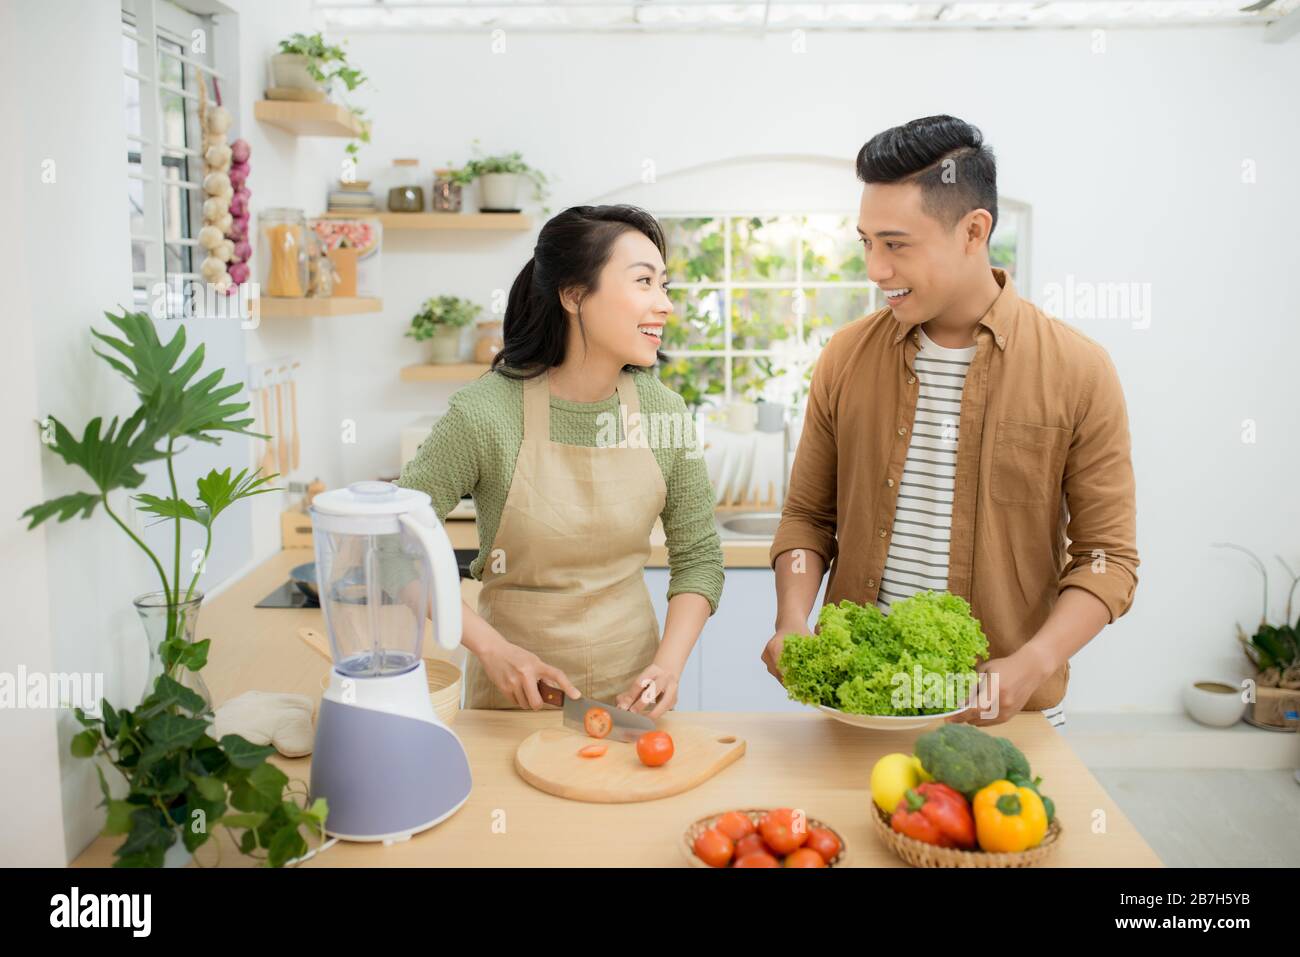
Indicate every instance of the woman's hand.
{"type": "Point", "coordinates": [516, 671]}
{"type": "Point", "coordinates": [655, 682]}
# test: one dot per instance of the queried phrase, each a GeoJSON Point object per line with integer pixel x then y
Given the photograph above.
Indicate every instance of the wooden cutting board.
{"type": "Point", "coordinates": [549, 761]}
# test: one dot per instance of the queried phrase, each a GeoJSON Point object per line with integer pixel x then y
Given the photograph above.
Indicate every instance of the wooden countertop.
{"type": "Point", "coordinates": [797, 760]}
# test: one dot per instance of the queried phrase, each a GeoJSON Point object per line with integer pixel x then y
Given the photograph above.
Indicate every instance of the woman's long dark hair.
{"type": "Point", "coordinates": [571, 250]}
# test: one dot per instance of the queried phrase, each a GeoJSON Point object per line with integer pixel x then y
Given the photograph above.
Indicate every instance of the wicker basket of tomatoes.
{"type": "Point", "coordinates": [964, 799]}
{"type": "Point", "coordinates": [782, 837]}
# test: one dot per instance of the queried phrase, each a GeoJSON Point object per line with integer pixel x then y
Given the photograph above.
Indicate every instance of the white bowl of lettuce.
{"type": "Point", "coordinates": [903, 671]}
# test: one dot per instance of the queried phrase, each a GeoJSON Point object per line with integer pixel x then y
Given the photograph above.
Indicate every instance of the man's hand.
{"type": "Point", "coordinates": [772, 650]}
{"type": "Point", "coordinates": [1017, 676]}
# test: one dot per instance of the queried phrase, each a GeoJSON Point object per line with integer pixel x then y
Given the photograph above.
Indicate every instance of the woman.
{"type": "Point", "coordinates": [567, 488]}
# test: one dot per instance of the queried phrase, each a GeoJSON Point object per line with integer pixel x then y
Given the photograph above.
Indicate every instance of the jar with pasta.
{"type": "Point", "coordinates": [284, 243]}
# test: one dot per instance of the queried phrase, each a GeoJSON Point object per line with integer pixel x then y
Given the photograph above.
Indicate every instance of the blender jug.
{"type": "Point", "coordinates": [381, 558]}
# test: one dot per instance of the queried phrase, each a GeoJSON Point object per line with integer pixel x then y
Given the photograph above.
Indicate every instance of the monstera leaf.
{"type": "Point", "coordinates": [110, 457]}
{"type": "Point", "coordinates": [217, 492]}
{"type": "Point", "coordinates": [175, 405]}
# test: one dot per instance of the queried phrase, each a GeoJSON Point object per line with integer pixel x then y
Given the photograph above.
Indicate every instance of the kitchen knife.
{"type": "Point", "coordinates": [627, 726]}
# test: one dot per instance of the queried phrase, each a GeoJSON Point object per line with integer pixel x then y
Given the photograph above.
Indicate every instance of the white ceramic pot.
{"type": "Point", "coordinates": [1215, 703]}
{"type": "Point", "coordinates": [444, 347]}
{"type": "Point", "coordinates": [498, 191]}
{"type": "Point", "coordinates": [290, 70]}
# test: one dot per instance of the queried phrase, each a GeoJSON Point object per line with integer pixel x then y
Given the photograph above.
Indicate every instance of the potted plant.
{"type": "Point", "coordinates": [499, 177]}
{"type": "Point", "coordinates": [180, 781]}
{"type": "Point", "coordinates": [306, 63]}
{"type": "Point", "coordinates": [440, 321]}
{"type": "Point", "coordinates": [1274, 653]}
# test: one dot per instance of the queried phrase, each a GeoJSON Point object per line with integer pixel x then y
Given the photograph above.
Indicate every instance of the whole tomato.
{"type": "Point", "coordinates": [654, 748]}
{"type": "Point", "coordinates": [714, 848]}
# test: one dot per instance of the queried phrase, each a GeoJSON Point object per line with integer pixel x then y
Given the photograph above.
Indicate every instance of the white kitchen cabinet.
{"type": "Point", "coordinates": [724, 672]}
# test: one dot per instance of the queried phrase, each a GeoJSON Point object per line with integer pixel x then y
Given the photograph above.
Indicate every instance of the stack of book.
{"type": "Point", "coordinates": [352, 197]}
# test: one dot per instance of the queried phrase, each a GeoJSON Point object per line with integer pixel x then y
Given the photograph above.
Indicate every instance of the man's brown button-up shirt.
{"type": "Point", "coordinates": [1044, 491]}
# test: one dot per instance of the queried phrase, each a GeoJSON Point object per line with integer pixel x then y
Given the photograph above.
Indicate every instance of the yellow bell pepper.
{"type": "Point", "coordinates": [893, 776]}
{"type": "Point", "coordinates": [1009, 818]}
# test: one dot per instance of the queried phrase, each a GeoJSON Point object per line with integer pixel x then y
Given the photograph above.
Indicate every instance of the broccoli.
{"type": "Point", "coordinates": [1017, 763]}
{"type": "Point", "coordinates": [962, 757]}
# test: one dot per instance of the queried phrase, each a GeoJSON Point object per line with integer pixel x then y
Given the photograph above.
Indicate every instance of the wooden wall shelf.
{"type": "Point", "coordinates": [460, 372]}
{"type": "Point", "coordinates": [306, 308]}
{"type": "Point", "coordinates": [308, 119]}
{"type": "Point", "coordinates": [516, 222]}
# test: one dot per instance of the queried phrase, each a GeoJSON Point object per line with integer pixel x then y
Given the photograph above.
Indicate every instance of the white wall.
{"type": "Point", "coordinates": [1131, 159]}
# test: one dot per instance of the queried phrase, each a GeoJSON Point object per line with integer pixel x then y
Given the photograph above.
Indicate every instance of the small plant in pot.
{"type": "Point", "coordinates": [440, 322]}
{"type": "Point", "coordinates": [180, 782]}
{"type": "Point", "coordinates": [313, 68]}
{"type": "Point", "coordinates": [499, 177]}
{"type": "Point", "coordinates": [1274, 652]}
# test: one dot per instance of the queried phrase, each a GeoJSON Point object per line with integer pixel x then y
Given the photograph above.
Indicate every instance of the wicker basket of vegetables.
{"type": "Point", "coordinates": [964, 799]}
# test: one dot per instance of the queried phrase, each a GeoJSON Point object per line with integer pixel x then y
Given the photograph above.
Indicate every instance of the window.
{"type": "Point", "coordinates": [166, 53]}
{"type": "Point", "coordinates": [755, 297]}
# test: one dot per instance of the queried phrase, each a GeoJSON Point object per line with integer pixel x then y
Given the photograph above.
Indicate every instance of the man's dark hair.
{"type": "Point", "coordinates": [915, 153]}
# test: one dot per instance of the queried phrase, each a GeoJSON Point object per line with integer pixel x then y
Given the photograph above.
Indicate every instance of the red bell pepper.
{"type": "Point", "coordinates": [936, 814]}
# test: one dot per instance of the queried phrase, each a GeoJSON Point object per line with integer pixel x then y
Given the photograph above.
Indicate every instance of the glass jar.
{"type": "Point", "coordinates": [284, 235]}
{"type": "Point", "coordinates": [446, 192]}
{"type": "Point", "coordinates": [405, 194]}
{"type": "Point", "coordinates": [489, 341]}
{"type": "Point", "coordinates": [320, 270]}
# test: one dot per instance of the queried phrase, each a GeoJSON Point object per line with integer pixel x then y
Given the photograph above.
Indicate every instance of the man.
{"type": "Point", "coordinates": [956, 439]}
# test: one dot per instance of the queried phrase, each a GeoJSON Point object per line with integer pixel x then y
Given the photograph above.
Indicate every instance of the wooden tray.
{"type": "Point", "coordinates": [549, 761]}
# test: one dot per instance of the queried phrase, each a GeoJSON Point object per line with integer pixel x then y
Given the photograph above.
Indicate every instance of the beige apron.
{"type": "Point", "coordinates": [565, 575]}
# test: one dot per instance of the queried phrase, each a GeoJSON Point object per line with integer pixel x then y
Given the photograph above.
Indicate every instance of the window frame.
{"type": "Point", "coordinates": [161, 30]}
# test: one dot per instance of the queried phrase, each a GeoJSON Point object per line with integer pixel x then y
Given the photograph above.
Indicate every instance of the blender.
{"type": "Point", "coordinates": [385, 763]}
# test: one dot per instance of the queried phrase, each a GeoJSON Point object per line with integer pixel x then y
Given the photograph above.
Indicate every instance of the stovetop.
{"type": "Point", "coordinates": [290, 595]}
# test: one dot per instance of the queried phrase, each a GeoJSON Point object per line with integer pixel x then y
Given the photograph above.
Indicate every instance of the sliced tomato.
{"type": "Point", "coordinates": [593, 750]}
{"type": "Point", "coordinates": [597, 722]}
{"type": "Point", "coordinates": [654, 748]}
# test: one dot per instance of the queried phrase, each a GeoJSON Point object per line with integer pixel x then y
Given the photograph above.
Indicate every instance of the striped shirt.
{"type": "Point", "coordinates": [918, 551]}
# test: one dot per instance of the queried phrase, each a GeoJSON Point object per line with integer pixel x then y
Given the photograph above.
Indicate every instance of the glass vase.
{"type": "Point", "coordinates": [162, 620]}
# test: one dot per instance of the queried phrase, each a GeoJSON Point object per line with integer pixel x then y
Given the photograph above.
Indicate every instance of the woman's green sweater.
{"type": "Point", "coordinates": [473, 447]}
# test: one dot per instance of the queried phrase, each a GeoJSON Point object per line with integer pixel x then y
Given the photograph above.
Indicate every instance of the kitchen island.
{"type": "Point", "coordinates": [802, 760]}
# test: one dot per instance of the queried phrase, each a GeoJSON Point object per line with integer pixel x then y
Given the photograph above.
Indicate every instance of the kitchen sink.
{"type": "Point", "coordinates": [749, 525]}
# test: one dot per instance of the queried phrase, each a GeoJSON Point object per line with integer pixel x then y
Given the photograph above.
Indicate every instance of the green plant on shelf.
{"type": "Point", "coordinates": [442, 312]}
{"type": "Point", "coordinates": [513, 162]}
{"type": "Point", "coordinates": [328, 65]}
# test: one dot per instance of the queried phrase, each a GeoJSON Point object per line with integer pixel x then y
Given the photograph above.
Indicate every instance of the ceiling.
{"type": "Point", "coordinates": [1281, 17]}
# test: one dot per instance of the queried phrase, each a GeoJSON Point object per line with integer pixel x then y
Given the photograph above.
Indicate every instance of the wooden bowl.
{"type": "Point", "coordinates": [920, 854]}
{"type": "Point", "coordinates": [444, 688]}
{"type": "Point", "coordinates": [755, 814]}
